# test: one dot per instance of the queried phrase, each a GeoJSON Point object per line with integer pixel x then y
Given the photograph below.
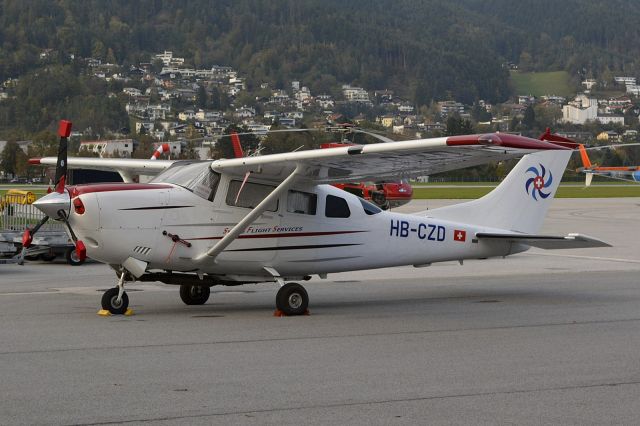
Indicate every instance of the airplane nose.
{"type": "Point", "coordinates": [52, 203]}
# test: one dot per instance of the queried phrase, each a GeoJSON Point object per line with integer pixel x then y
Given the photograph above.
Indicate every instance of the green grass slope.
{"type": "Point", "coordinates": [542, 83]}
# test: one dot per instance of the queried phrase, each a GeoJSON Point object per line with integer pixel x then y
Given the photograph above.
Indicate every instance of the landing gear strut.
{"type": "Point", "coordinates": [194, 294]}
{"type": "Point", "coordinates": [292, 299]}
{"type": "Point", "coordinates": [115, 300]}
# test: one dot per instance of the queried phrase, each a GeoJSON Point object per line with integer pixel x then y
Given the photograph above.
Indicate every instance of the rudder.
{"type": "Point", "coordinates": [522, 199]}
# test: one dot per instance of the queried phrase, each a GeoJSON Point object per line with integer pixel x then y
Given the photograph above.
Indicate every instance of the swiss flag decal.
{"type": "Point", "coordinates": [459, 235]}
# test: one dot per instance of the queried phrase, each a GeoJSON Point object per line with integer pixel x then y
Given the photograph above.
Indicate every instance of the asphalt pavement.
{"type": "Point", "coordinates": [544, 337]}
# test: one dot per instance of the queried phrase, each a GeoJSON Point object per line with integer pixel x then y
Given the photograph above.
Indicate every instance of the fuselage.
{"type": "Point", "coordinates": [313, 229]}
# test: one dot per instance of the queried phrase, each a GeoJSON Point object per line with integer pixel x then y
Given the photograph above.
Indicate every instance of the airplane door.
{"type": "Point", "coordinates": [258, 243]}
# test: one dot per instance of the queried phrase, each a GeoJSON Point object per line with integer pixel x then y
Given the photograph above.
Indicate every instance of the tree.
{"type": "Point", "coordinates": [529, 120]}
{"type": "Point", "coordinates": [10, 157]}
{"type": "Point", "coordinates": [201, 97]}
{"type": "Point", "coordinates": [458, 126]}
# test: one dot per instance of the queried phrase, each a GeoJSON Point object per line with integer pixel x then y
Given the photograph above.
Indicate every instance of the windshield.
{"type": "Point", "coordinates": [197, 177]}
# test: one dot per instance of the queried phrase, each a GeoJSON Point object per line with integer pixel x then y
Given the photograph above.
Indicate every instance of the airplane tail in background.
{"type": "Point", "coordinates": [521, 201]}
{"type": "Point", "coordinates": [586, 164]}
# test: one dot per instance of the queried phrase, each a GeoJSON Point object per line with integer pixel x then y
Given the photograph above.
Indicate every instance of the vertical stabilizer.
{"type": "Point", "coordinates": [521, 201]}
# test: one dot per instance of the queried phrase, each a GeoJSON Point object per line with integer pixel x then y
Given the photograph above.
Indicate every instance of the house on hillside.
{"type": "Point", "coordinates": [608, 136]}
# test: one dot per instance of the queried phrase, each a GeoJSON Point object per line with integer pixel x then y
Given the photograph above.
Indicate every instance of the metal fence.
{"type": "Point", "coordinates": [15, 217]}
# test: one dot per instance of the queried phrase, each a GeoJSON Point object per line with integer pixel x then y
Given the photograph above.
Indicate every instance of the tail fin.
{"type": "Point", "coordinates": [521, 201]}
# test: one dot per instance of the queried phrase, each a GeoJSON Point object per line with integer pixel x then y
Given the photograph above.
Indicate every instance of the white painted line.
{"type": "Point", "coordinates": [606, 259]}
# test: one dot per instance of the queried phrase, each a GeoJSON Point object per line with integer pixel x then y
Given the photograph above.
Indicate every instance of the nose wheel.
{"type": "Point", "coordinates": [115, 300]}
{"type": "Point", "coordinates": [112, 303]}
{"type": "Point", "coordinates": [292, 299]}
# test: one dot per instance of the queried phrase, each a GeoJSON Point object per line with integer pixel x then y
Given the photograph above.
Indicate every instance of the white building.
{"type": "Point", "coordinates": [131, 91]}
{"type": "Point", "coordinates": [581, 109]}
{"type": "Point", "coordinates": [107, 148]}
{"type": "Point", "coordinates": [625, 80]}
{"type": "Point", "coordinates": [325, 101]}
{"type": "Point", "coordinates": [167, 58]}
{"type": "Point", "coordinates": [633, 89]}
{"type": "Point", "coordinates": [447, 107]}
{"type": "Point", "coordinates": [610, 119]}
{"type": "Point", "coordinates": [355, 94]}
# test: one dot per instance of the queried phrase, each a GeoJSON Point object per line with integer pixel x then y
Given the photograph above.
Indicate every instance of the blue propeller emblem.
{"type": "Point", "coordinates": [538, 182]}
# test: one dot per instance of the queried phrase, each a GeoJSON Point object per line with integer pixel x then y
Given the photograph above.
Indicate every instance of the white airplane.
{"type": "Point", "coordinates": [275, 218]}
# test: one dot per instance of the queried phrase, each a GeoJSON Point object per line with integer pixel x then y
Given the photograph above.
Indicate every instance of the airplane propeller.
{"type": "Point", "coordinates": [57, 203]}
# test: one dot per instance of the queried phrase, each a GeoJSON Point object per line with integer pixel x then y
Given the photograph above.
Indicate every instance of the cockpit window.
{"type": "Point", "coordinates": [369, 208]}
{"type": "Point", "coordinates": [197, 177]}
{"type": "Point", "coordinates": [336, 207]}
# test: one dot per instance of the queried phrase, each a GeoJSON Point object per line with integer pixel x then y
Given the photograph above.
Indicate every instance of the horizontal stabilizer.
{"type": "Point", "coordinates": [547, 242]}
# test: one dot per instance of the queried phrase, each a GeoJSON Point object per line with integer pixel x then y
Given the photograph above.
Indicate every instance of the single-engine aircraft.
{"type": "Point", "coordinates": [277, 218]}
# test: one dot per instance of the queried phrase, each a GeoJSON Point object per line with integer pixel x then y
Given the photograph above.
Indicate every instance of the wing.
{"type": "Point", "coordinates": [547, 242]}
{"type": "Point", "coordinates": [127, 167]}
{"type": "Point", "coordinates": [386, 161]}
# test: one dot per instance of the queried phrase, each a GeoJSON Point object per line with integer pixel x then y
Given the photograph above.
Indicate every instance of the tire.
{"type": "Point", "coordinates": [109, 301]}
{"type": "Point", "coordinates": [292, 299]}
{"type": "Point", "coordinates": [71, 257]}
{"type": "Point", "coordinates": [194, 294]}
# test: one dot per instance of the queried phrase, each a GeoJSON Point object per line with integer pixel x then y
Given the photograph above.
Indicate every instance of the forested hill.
{"type": "Point", "coordinates": [423, 50]}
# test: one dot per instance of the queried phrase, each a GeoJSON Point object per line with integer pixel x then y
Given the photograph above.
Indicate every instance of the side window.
{"type": "Point", "coordinates": [302, 202]}
{"type": "Point", "coordinates": [250, 196]}
{"type": "Point", "coordinates": [336, 207]}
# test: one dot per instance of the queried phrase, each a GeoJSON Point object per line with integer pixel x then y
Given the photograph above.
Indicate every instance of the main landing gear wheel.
{"type": "Point", "coordinates": [72, 257]}
{"type": "Point", "coordinates": [292, 299]}
{"type": "Point", "coordinates": [194, 294]}
{"type": "Point", "coordinates": [110, 302]}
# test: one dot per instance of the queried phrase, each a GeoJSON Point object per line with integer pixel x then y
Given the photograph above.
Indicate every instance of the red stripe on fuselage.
{"type": "Point", "coordinates": [108, 187]}
{"type": "Point", "coordinates": [281, 235]}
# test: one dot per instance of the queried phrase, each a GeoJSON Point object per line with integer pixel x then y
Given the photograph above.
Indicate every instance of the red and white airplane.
{"type": "Point", "coordinates": [277, 218]}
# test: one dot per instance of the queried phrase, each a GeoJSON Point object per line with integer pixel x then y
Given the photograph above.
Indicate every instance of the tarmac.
{"type": "Point", "coordinates": [543, 337]}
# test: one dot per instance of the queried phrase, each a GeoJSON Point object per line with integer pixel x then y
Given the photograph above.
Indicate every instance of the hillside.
{"type": "Point", "coordinates": [423, 50]}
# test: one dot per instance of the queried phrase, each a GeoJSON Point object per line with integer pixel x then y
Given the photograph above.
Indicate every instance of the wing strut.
{"type": "Point", "coordinates": [214, 251]}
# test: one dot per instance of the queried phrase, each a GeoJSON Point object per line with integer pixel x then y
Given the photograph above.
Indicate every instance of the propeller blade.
{"type": "Point", "coordinates": [64, 130]}
{"type": "Point", "coordinates": [27, 238]}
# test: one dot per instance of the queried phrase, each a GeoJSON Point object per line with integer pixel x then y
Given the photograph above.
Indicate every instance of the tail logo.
{"type": "Point", "coordinates": [538, 182]}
